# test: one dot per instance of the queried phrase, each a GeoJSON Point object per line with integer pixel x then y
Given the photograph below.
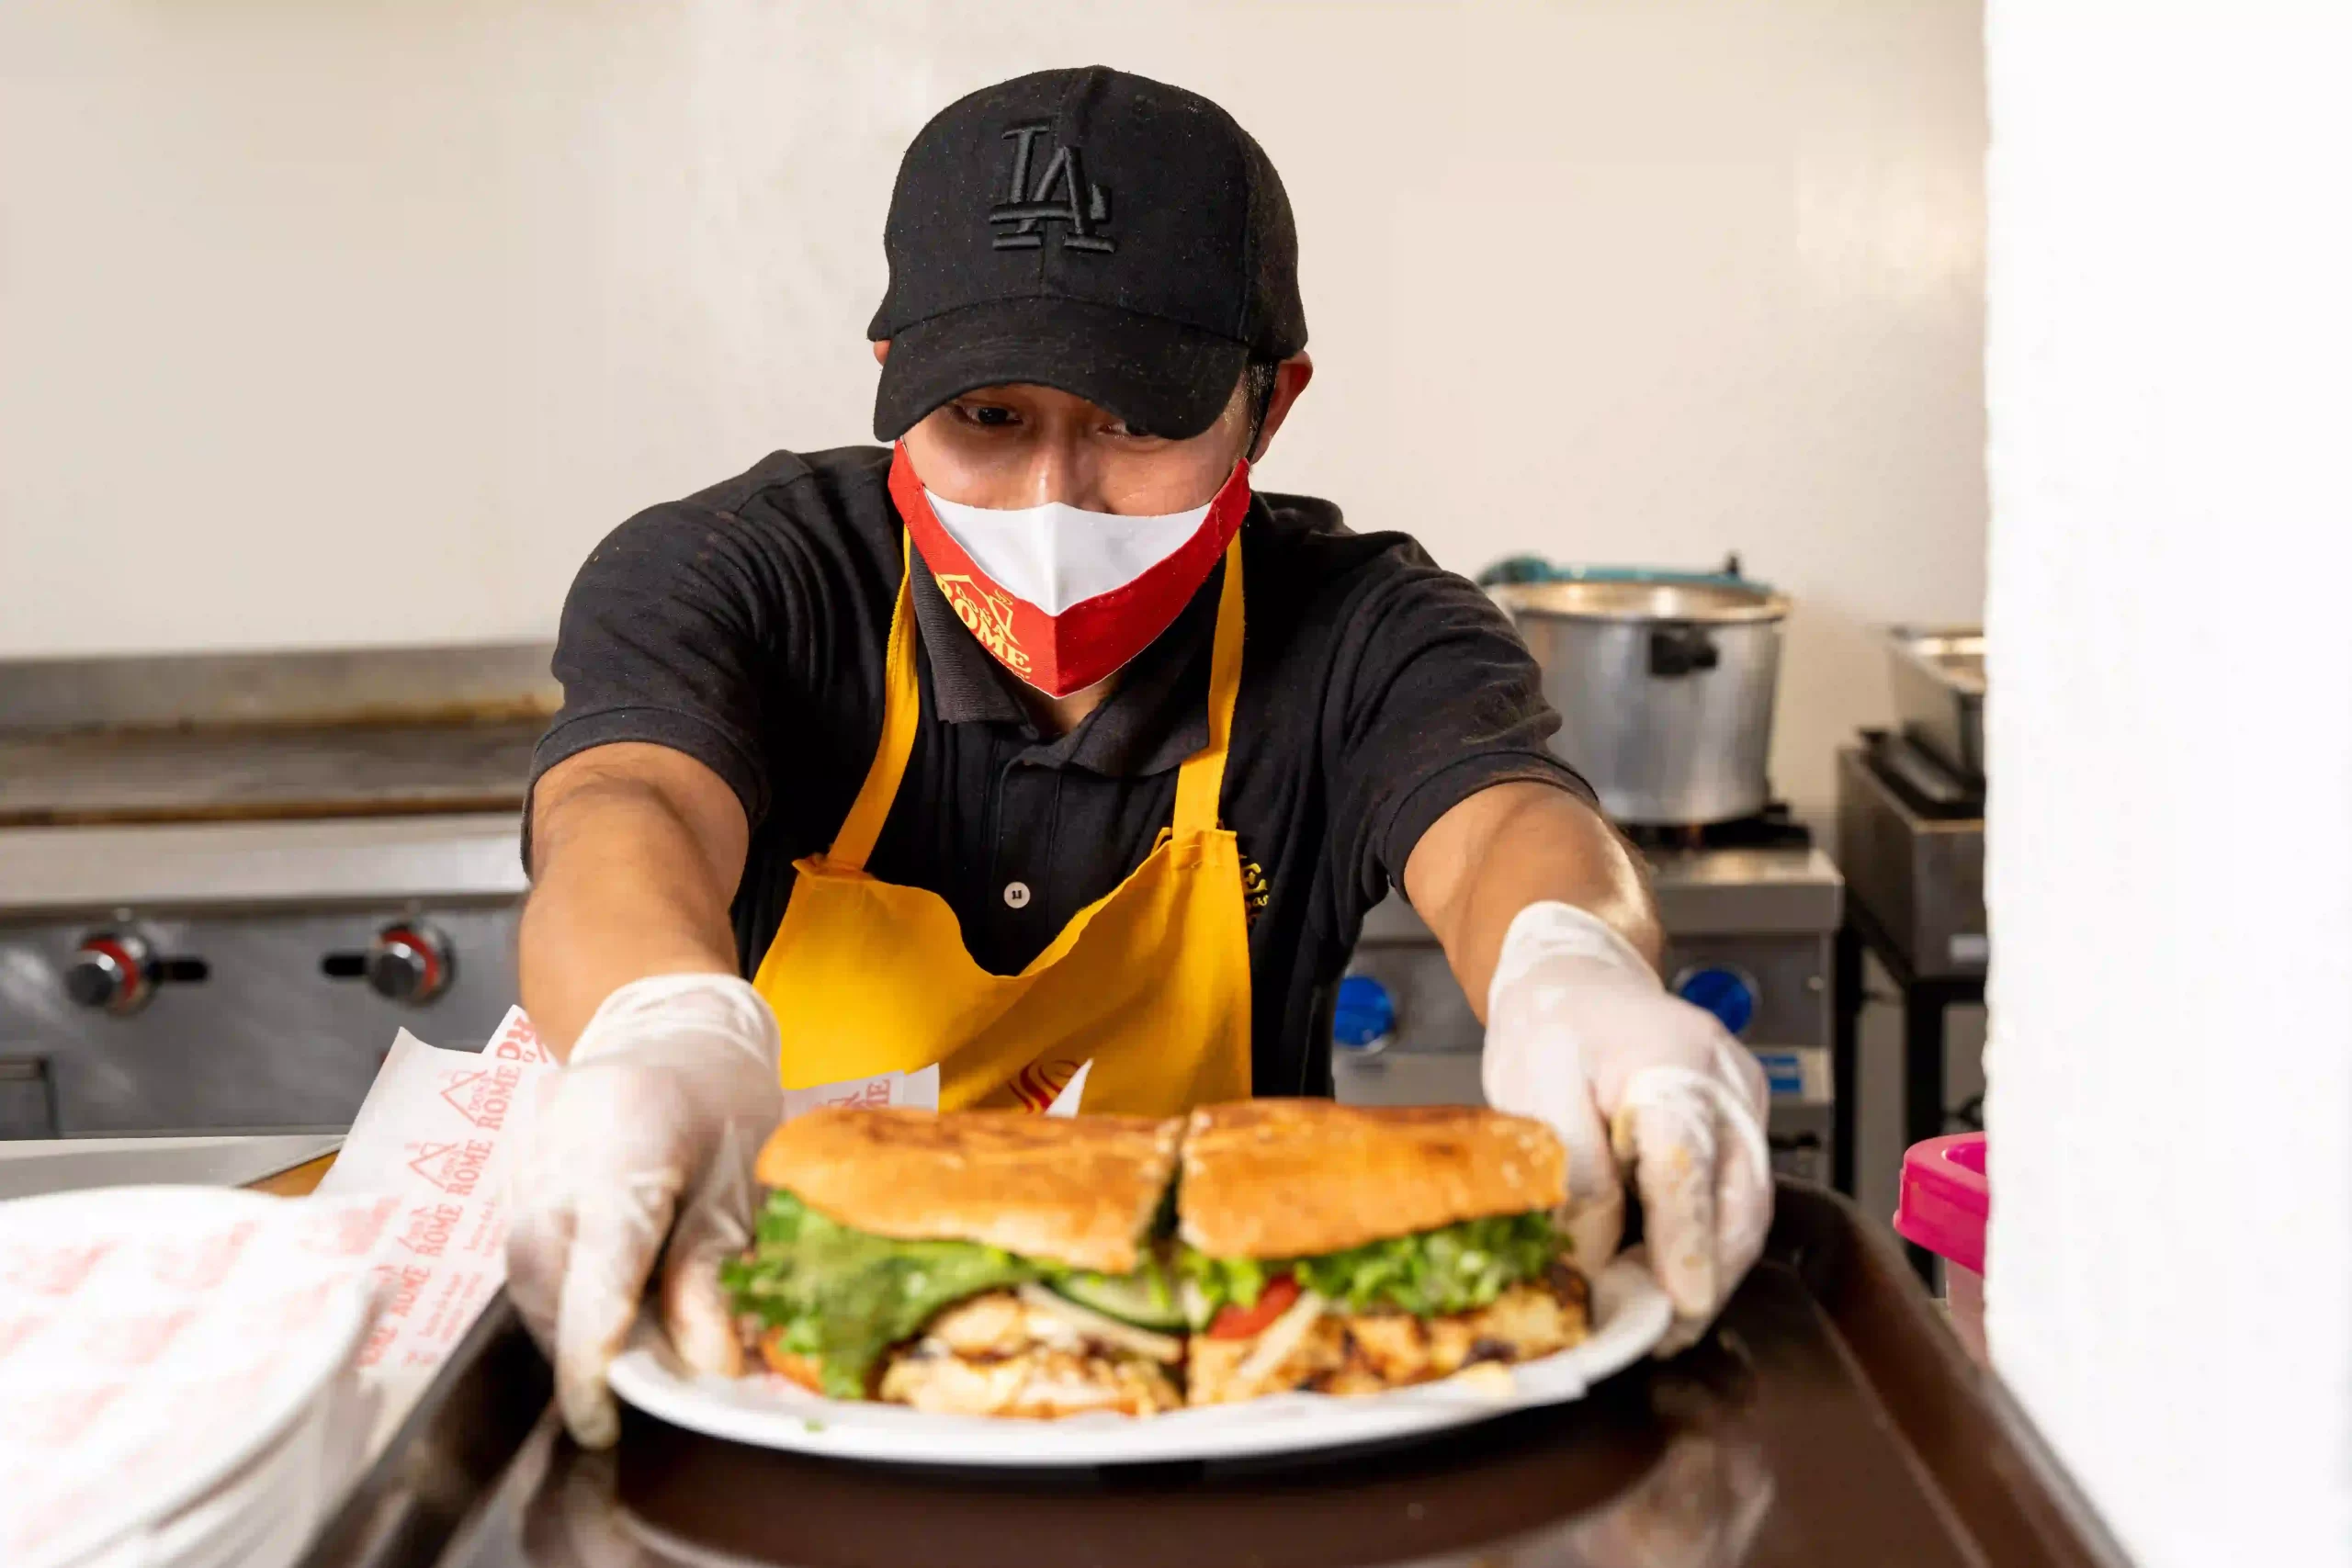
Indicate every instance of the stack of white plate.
{"type": "Point", "coordinates": [176, 1381]}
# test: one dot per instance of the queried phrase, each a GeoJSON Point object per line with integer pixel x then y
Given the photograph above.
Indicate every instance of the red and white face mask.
{"type": "Point", "coordinates": [1062, 596]}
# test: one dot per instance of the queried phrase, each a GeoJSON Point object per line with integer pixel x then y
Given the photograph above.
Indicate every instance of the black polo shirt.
{"type": "Point", "coordinates": [745, 626]}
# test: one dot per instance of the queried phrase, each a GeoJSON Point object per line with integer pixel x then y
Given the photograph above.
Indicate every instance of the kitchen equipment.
{"type": "Point", "coordinates": [1751, 909]}
{"type": "Point", "coordinates": [1830, 1420]}
{"type": "Point", "coordinates": [1664, 685]}
{"type": "Point", "coordinates": [1911, 844]}
{"type": "Point", "coordinates": [1939, 679]}
{"type": "Point", "coordinates": [227, 881]}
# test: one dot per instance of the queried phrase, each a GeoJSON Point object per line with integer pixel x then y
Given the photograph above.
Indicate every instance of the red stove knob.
{"type": "Point", "coordinates": [410, 963]}
{"type": "Point", "coordinates": [111, 970]}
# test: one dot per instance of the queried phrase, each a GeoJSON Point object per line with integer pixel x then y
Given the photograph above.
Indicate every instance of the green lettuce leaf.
{"type": "Point", "coordinates": [845, 1296]}
{"type": "Point", "coordinates": [1455, 1267]}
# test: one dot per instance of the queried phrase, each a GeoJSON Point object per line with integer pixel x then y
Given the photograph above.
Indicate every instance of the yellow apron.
{"type": "Point", "coordinates": [1150, 982]}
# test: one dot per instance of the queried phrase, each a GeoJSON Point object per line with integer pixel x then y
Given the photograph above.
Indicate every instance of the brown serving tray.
{"type": "Point", "coordinates": [1830, 1419]}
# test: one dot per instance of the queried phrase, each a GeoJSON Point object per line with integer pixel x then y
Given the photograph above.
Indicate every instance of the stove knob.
{"type": "Point", "coordinates": [1365, 1019]}
{"type": "Point", "coordinates": [111, 971]}
{"type": "Point", "coordinates": [1722, 990]}
{"type": "Point", "coordinates": [410, 963]}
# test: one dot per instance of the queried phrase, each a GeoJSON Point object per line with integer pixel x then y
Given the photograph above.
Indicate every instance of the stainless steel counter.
{"type": "Point", "coordinates": [29, 1166]}
{"type": "Point", "coordinates": [221, 864]}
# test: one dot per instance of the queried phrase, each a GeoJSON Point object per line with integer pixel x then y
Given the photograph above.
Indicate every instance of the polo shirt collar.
{"type": "Point", "coordinates": [1157, 716]}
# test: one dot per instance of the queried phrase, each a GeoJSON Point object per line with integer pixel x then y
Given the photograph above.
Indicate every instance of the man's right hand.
{"type": "Point", "coordinates": [650, 1134]}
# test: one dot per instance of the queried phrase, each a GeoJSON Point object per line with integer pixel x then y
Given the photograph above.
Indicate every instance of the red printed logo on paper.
{"type": "Point", "coordinates": [401, 1284]}
{"type": "Point", "coordinates": [379, 1339]}
{"type": "Point", "coordinates": [454, 1167]}
{"type": "Point", "coordinates": [351, 1231]}
{"type": "Point", "coordinates": [61, 1421]}
{"type": "Point", "coordinates": [518, 1042]}
{"type": "Point", "coordinates": [15, 1331]}
{"type": "Point", "coordinates": [228, 1390]}
{"type": "Point", "coordinates": [203, 1263]}
{"type": "Point", "coordinates": [136, 1341]}
{"type": "Point", "coordinates": [483, 1096]}
{"type": "Point", "coordinates": [429, 1227]}
{"type": "Point", "coordinates": [303, 1307]}
{"type": "Point", "coordinates": [871, 1093]}
{"type": "Point", "coordinates": [56, 1271]}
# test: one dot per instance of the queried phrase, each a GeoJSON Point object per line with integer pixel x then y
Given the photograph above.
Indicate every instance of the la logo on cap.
{"type": "Point", "coordinates": [1054, 199]}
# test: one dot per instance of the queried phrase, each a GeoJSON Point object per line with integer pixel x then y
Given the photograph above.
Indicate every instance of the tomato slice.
{"type": "Point", "coordinates": [1243, 1323]}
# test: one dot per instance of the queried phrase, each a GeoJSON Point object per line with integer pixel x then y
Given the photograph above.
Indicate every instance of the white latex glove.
{"type": "Point", "coordinates": [1581, 1035]}
{"type": "Point", "coordinates": [669, 1094]}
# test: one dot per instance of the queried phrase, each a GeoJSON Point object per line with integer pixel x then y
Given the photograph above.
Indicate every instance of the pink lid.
{"type": "Point", "coordinates": [1945, 1198]}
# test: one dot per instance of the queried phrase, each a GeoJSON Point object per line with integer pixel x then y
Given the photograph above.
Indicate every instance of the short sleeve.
{"type": "Point", "coordinates": [1434, 698]}
{"type": "Point", "coordinates": [682, 630]}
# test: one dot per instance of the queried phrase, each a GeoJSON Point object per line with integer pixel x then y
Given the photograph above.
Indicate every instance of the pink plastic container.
{"type": "Point", "coordinates": [1942, 1206]}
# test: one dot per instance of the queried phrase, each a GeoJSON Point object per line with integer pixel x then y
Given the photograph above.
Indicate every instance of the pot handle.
{"type": "Point", "coordinates": [1681, 650]}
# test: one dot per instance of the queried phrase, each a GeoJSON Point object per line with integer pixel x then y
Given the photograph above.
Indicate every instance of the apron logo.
{"type": "Point", "coordinates": [1256, 891]}
{"type": "Point", "coordinates": [1062, 194]}
{"type": "Point", "coordinates": [987, 613]}
{"type": "Point", "coordinates": [1035, 1085]}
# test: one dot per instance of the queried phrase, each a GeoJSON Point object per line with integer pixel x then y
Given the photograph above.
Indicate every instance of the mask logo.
{"type": "Point", "coordinates": [1061, 194]}
{"type": "Point", "coordinates": [987, 613]}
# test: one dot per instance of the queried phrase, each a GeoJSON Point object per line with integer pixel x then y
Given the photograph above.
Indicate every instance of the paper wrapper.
{"type": "Point", "coordinates": [917, 1090]}
{"type": "Point", "coordinates": [432, 1147]}
{"type": "Point", "coordinates": [148, 1336]}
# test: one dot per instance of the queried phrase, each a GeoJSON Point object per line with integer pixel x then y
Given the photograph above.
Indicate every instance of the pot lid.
{"type": "Point", "coordinates": [1532, 585]}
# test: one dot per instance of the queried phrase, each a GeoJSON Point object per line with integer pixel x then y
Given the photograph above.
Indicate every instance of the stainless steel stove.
{"type": "Point", "coordinates": [226, 882]}
{"type": "Point", "coordinates": [1751, 913]}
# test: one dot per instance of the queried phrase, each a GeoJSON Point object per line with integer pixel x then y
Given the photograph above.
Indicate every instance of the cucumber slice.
{"type": "Point", "coordinates": [1142, 1299]}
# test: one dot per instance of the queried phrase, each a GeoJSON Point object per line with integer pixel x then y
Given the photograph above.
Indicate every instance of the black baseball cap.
{"type": "Point", "coordinates": [1110, 236]}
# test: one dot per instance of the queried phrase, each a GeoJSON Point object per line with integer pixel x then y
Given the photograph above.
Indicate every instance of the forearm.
{"type": "Point", "coordinates": [627, 884]}
{"type": "Point", "coordinates": [1514, 845]}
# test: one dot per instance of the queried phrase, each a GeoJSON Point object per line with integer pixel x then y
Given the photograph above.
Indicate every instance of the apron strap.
{"type": "Point", "coordinates": [1201, 779]}
{"type": "Point", "coordinates": [901, 709]}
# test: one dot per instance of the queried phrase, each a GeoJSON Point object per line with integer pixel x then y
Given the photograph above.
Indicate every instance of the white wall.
{"type": "Point", "coordinates": [2170, 874]}
{"type": "Point", "coordinates": [361, 322]}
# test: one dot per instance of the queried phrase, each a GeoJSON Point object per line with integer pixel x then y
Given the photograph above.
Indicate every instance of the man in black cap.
{"type": "Point", "coordinates": [1036, 755]}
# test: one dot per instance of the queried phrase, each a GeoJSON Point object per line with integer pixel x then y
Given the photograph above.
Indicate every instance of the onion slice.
{"type": "Point", "coordinates": [1281, 1337]}
{"type": "Point", "coordinates": [1104, 1329]}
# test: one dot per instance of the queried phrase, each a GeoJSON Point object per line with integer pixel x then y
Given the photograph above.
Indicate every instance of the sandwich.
{"type": "Point", "coordinates": [983, 1263]}
{"type": "Point", "coordinates": [999, 1263]}
{"type": "Point", "coordinates": [1347, 1250]}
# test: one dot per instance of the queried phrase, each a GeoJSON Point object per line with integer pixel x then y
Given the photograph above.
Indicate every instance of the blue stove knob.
{"type": "Point", "coordinates": [1365, 1018]}
{"type": "Point", "coordinates": [1726, 993]}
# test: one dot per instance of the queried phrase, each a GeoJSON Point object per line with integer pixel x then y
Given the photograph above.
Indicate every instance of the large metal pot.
{"type": "Point", "coordinates": [1664, 686]}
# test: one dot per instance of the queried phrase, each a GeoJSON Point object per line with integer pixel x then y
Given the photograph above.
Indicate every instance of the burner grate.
{"type": "Point", "coordinates": [1771, 829]}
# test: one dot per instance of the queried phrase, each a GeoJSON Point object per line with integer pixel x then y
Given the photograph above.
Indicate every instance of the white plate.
{"type": "Point", "coordinates": [155, 1342]}
{"type": "Point", "coordinates": [1630, 1315]}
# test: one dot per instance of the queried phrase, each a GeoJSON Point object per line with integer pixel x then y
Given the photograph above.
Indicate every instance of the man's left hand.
{"type": "Point", "coordinates": [1581, 1035]}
